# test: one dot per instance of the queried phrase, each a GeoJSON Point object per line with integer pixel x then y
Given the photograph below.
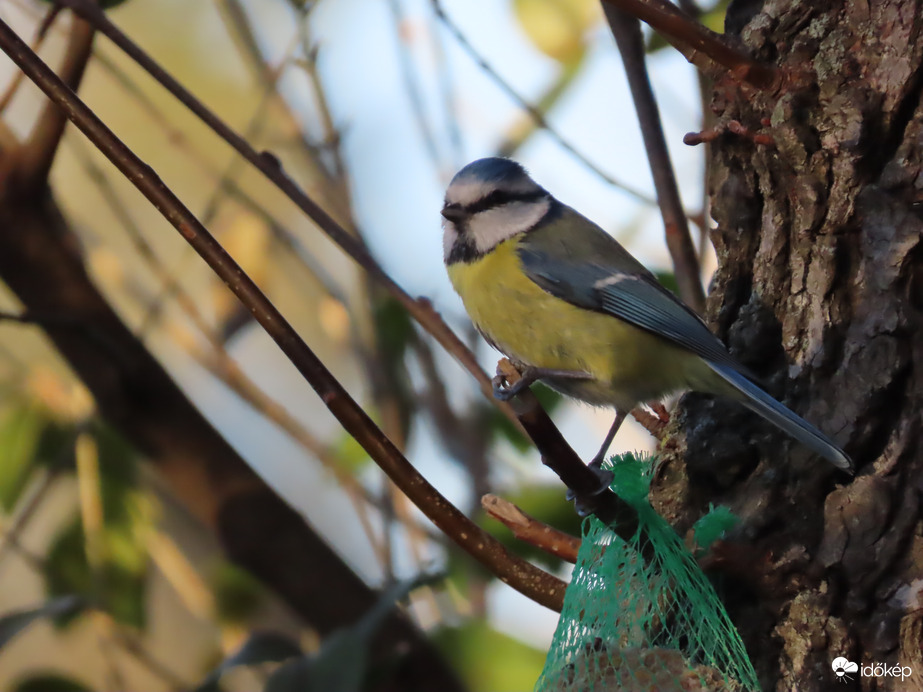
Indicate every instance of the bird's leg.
{"type": "Point", "coordinates": [596, 465]}
{"type": "Point", "coordinates": [530, 375]}
{"type": "Point", "coordinates": [597, 462]}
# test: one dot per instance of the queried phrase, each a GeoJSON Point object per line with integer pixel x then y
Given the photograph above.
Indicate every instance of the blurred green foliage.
{"type": "Point", "coordinates": [237, 593]}
{"type": "Point", "coordinates": [120, 586]}
{"type": "Point", "coordinates": [489, 660]}
{"type": "Point", "coordinates": [21, 428]}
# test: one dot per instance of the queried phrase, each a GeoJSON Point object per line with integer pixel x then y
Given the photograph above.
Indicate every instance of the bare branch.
{"type": "Point", "coordinates": [46, 23]}
{"type": "Point", "coordinates": [39, 150]}
{"type": "Point", "coordinates": [411, 86]}
{"type": "Point", "coordinates": [627, 32]}
{"type": "Point", "coordinates": [530, 530]}
{"type": "Point", "coordinates": [563, 460]}
{"type": "Point", "coordinates": [694, 40]}
{"type": "Point", "coordinates": [654, 423]}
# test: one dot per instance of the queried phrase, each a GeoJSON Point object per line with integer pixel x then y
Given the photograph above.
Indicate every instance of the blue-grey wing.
{"type": "Point", "coordinates": [632, 296]}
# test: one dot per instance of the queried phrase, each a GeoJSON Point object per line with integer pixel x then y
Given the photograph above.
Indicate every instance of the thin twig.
{"type": "Point", "coordinates": [533, 112]}
{"type": "Point", "coordinates": [528, 579]}
{"type": "Point", "coordinates": [694, 41]}
{"type": "Point", "coordinates": [270, 166]}
{"type": "Point", "coordinates": [627, 32]}
{"type": "Point", "coordinates": [410, 82]}
{"type": "Point", "coordinates": [41, 146]}
{"type": "Point", "coordinates": [388, 382]}
{"type": "Point", "coordinates": [13, 87]}
{"type": "Point", "coordinates": [530, 530]}
{"type": "Point", "coordinates": [9, 537]}
{"type": "Point", "coordinates": [449, 101]}
{"type": "Point", "coordinates": [518, 134]}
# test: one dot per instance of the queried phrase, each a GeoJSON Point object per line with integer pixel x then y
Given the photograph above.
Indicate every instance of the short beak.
{"type": "Point", "coordinates": [453, 212]}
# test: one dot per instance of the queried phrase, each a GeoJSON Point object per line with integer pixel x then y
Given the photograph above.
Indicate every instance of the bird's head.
{"type": "Point", "coordinates": [487, 202]}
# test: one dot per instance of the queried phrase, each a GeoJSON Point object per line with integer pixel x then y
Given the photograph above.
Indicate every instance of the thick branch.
{"type": "Point", "coordinates": [560, 457]}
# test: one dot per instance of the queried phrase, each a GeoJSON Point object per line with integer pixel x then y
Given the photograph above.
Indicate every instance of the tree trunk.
{"type": "Point", "coordinates": [820, 292]}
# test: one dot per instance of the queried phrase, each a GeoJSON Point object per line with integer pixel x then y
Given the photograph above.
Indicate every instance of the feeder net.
{"type": "Point", "coordinates": [641, 616]}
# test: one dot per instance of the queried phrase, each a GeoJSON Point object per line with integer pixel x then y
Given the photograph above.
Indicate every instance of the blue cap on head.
{"type": "Point", "coordinates": [492, 169]}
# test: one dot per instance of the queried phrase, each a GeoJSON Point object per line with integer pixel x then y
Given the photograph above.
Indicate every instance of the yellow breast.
{"type": "Point", "coordinates": [532, 327]}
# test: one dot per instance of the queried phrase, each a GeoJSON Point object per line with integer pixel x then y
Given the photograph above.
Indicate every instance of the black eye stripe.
{"type": "Point", "coordinates": [498, 198]}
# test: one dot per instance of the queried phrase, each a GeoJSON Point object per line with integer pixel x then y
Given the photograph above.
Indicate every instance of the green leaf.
{"type": "Point", "coordinates": [490, 660]}
{"type": "Point", "coordinates": [395, 330]}
{"type": "Point", "coordinates": [14, 623]}
{"type": "Point", "coordinates": [349, 454]}
{"type": "Point", "coordinates": [237, 593]}
{"type": "Point", "coordinates": [20, 433]}
{"type": "Point", "coordinates": [261, 647]}
{"type": "Point", "coordinates": [668, 281]}
{"type": "Point", "coordinates": [49, 682]}
{"type": "Point", "coordinates": [56, 445]}
{"type": "Point", "coordinates": [118, 470]}
{"type": "Point", "coordinates": [120, 587]}
{"type": "Point", "coordinates": [712, 19]}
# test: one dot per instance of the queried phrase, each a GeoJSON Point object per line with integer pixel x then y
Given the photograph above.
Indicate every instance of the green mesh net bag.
{"type": "Point", "coordinates": [642, 624]}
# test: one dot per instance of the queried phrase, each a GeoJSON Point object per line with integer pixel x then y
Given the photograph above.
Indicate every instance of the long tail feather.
{"type": "Point", "coordinates": [781, 416]}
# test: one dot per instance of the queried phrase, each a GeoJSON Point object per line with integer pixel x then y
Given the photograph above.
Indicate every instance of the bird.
{"type": "Point", "coordinates": [571, 308]}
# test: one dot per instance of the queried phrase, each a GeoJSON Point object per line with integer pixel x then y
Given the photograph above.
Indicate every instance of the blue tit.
{"type": "Point", "coordinates": [571, 307]}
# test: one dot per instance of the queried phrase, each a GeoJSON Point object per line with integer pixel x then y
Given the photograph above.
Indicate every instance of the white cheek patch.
{"type": "Point", "coordinates": [491, 227]}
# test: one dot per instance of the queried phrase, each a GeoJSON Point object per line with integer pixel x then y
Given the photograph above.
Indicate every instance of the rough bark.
{"type": "Point", "coordinates": [820, 292]}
